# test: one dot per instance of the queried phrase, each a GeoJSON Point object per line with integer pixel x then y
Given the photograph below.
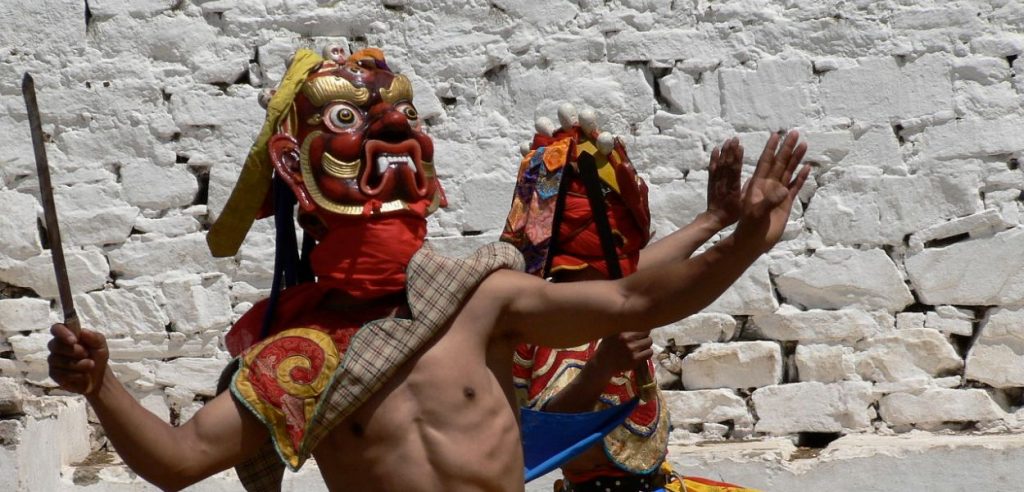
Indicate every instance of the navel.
{"type": "Point", "coordinates": [357, 429]}
{"type": "Point", "coordinates": [469, 392]}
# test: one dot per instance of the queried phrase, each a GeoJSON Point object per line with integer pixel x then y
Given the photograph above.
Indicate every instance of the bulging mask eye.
{"type": "Point", "coordinates": [409, 111]}
{"type": "Point", "coordinates": [343, 117]}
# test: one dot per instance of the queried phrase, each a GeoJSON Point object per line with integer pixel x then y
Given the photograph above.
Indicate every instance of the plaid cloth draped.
{"type": "Point", "coordinates": [436, 288]}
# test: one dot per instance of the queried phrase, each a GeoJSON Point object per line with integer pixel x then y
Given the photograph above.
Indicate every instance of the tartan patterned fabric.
{"type": "Point", "coordinates": [436, 288]}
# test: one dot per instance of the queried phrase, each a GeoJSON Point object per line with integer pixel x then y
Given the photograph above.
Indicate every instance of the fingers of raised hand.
{"type": "Point", "coordinates": [794, 161]}
{"type": "Point", "coordinates": [782, 159]}
{"type": "Point", "coordinates": [798, 182]}
{"type": "Point", "coordinates": [767, 159]}
{"type": "Point", "coordinates": [730, 151]}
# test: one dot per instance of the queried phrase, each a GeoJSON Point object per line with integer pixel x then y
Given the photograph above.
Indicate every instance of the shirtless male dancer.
{"type": "Point", "coordinates": [445, 419]}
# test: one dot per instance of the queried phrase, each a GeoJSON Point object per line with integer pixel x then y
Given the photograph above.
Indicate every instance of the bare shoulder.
{"type": "Point", "coordinates": [495, 297]}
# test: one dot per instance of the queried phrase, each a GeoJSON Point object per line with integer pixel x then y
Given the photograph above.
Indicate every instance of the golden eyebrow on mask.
{"type": "Point", "coordinates": [323, 90]}
{"type": "Point", "coordinates": [401, 89]}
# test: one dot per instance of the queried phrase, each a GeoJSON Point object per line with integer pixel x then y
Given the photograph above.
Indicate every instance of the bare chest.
{"type": "Point", "coordinates": [443, 420]}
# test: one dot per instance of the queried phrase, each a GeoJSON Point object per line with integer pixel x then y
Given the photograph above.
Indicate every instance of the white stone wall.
{"type": "Point", "coordinates": [896, 301]}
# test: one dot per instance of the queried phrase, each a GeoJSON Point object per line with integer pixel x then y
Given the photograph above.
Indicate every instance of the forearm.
{"type": "Point", "coordinates": [583, 391]}
{"type": "Point", "coordinates": [148, 445]}
{"type": "Point", "coordinates": [658, 296]}
{"type": "Point", "coordinates": [645, 300]}
{"type": "Point", "coordinates": [681, 244]}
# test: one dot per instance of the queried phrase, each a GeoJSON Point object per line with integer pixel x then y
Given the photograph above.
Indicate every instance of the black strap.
{"type": "Point", "coordinates": [556, 221]}
{"type": "Point", "coordinates": [598, 208]}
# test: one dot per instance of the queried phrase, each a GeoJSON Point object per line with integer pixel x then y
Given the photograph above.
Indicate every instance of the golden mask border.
{"type": "Point", "coordinates": [318, 196]}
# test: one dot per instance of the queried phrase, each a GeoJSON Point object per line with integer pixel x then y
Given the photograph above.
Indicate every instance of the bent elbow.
{"type": "Point", "coordinates": [172, 479]}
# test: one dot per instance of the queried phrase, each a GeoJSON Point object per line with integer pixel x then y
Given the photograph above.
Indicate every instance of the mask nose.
{"type": "Point", "coordinates": [392, 126]}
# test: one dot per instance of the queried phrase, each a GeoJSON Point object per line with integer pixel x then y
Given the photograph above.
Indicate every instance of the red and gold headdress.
{"type": "Point", "coordinates": [552, 220]}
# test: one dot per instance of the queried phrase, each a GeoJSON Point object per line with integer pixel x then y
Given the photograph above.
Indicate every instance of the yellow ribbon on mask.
{"type": "Point", "coordinates": [228, 232]}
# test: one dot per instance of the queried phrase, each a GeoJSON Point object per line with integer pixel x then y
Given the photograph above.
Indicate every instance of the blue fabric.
{"type": "Point", "coordinates": [551, 439]}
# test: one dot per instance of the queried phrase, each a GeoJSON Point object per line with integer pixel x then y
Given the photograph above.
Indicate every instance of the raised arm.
{"type": "Point", "coordinates": [724, 199]}
{"type": "Point", "coordinates": [220, 435]}
{"type": "Point", "coordinates": [539, 312]}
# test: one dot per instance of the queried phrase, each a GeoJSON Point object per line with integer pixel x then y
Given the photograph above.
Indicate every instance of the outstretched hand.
{"type": "Point", "coordinates": [724, 193]}
{"type": "Point", "coordinates": [768, 196]}
{"type": "Point", "coordinates": [77, 364]}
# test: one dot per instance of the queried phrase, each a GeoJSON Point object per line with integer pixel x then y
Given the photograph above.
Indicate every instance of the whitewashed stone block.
{"type": "Point", "coordinates": [717, 405]}
{"type": "Point", "coordinates": [813, 407]}
{"type": "Point", "coordinates": [619, 93]}
{"type": "Point", "coordinates": [907, 354]}
{"type": "Point", "coordinates": [143, 8]}
{"type": "Point", "coordinates": [157, 256]}
{"type": "Point", "coordinates": [985, 271]}
{"type": "Point", "coordinates": [876, 147]}
{"type": "Point", "coordinates": [1000, 44]}
{"type": "Point", "coordinates": [195, 303]}
{"type": "Point", "coordinates": [256, 256]}
{"type": "Point", "coordinates": [677, 87]}
{"type": "Point", "coordinates": [733, 365]}
{"type": "Point", "coordinates": [817, 326]}
{"type": "Point", "coordinates": [87, 271]}
{"type": "Point", "coordinates": [827, 148]}
{"type": "Point", "coordinates": [31, 350]}
{"type": "Point", "coordinates": [906, 321]}
{"type": "Point", "coordinates": [676, 203]}
{"type": "Point", "coordinates": [482, 211]}
{"type": "Point", "coordinates": [158, 187]}
{"type": "Point", "coordinates": [876, 89]}
{"type": "Point", "coordinates": [667, 44]}
{"type": "Point", "coordinates": [884, 209]}
{"type": "Point", "coordinates": [778, 94]}
{"type": "Point", "coordinates": [750, 295]}
{"type": "Point", "coordinates": [834, 278]}
{"type": "Point", "coordinates": [974, 100]}
{"type": "Point", "coordinates": [696, 329]}
{"type": "Point", "coordinates": [12, 396]}
{"type": "Point", "coordinates": [19, 234]}
{"type": "Point", "coordinates": [133, 373]}
{"type": "Point", "coordinates": [997, 357]}
{"type": "Point", "coordinates": [949, 319]}
{"type": "Point", "coordinates": [667, 156]}
{"type": "Point", "coordinates": [961, 138]}
{"type": "Point", "coordinates": [198, 375]}
{"type": "Point", "coordinates": [24, 314]}
{"type": "Point", "coordinates": [983, 223]}
{"type": "Point", "coordinates": [984, 70]}
{"type": "Point", "coordinates": [93, 214]}
{"type": "Point", "coordinates": [141, 346]}
{"type": "Point", "coordinates": [36, 446]}
{"type": "Point", "coordinates": [177, 225]}
{"type": "Point", "coordinates": [121, 312]}
{"type": "Point", "coordinates": [938, 405]}
{"type": "Point", "coordinates": [825, 363]}
{"type": "Point", "coordinates": [46, 26]}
